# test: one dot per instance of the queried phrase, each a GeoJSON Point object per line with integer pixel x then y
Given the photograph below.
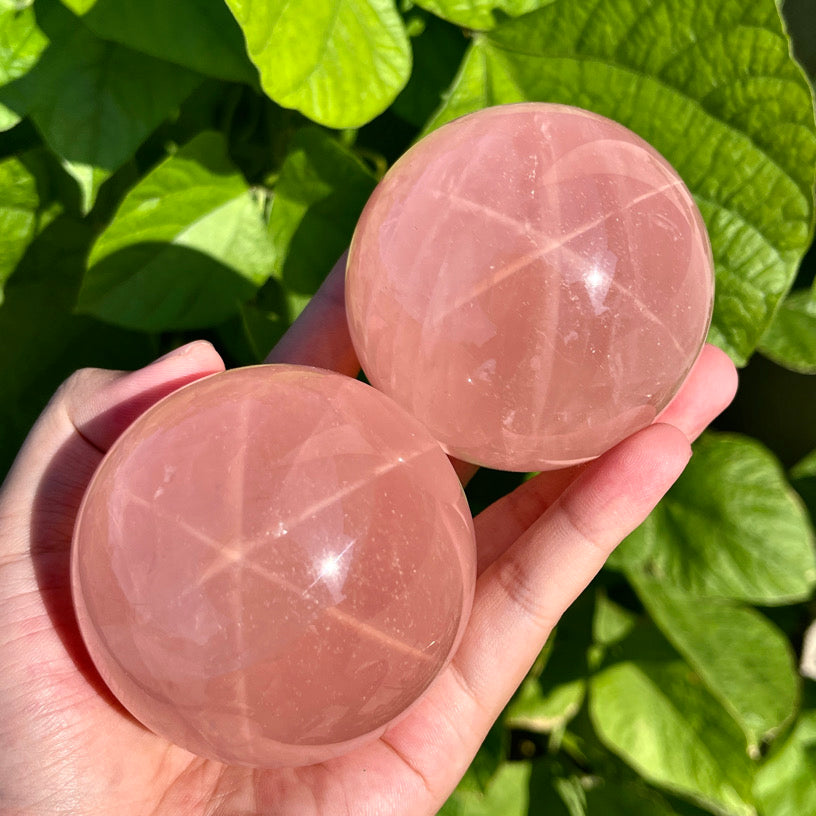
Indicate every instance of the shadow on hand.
{"type": "Point", "coordinates": [56, 504]}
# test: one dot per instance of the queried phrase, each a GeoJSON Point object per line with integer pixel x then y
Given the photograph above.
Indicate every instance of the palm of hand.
{"type": "Point", "coordinates": [73, 749]}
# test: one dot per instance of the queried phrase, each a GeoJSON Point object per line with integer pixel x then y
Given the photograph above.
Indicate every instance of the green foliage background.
{"type": "Point", "coordinates": [194, 168]}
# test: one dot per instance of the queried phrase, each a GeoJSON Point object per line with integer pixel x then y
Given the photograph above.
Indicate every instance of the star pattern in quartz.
{"type": "Point", "coordinates": [533, 282]}
{"type": "Point", "coordinates": [273, 563]}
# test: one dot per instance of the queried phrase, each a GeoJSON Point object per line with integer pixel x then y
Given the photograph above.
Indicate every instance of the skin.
{"type": "Point", "coordinates": [69, 748]}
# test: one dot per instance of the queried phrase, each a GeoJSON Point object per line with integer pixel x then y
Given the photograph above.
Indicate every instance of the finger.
{"type": "Point", "coordinates": [707, 391]}
{"type": "Point", "coordinates": [501, 523]}
{"type": "Point", "coordinates": [524, 592]}
{"type": "Point", "coordinates": [101, 414]}
{"type": "Point", "coordinates": [320, 336]}
{"type": "Point", "coordinates": [521, 596]}
{"type": "Point", "coordinates": [88, 412]}
{"type": "Point", "coordinates": [464, 470]}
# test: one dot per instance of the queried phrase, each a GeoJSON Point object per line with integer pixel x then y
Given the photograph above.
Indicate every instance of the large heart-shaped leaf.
{"type": "Point", "coordinates": [187, 246]}
{"type": "Point", "coordinates": [742, 658]}
{"type": "Point", "coordinates": [731, 527]}
{"type": "Point", "coordinates": [651, 708]}
{"type": "Point", "coordinates": [712, 86]}
{"type": "Point", "coordinates": [340, 62]}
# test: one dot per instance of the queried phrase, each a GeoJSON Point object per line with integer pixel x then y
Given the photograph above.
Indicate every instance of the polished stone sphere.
{"type": "Point", "coordinates": [533, 282]}
{"type": "Point", "coordinates": [272, 564]}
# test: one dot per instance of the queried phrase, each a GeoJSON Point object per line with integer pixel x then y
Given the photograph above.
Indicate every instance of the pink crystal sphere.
{"type": "Point", "coordinates": [533, 282]}
{"type": "Point", "coordinates": [272, 564]}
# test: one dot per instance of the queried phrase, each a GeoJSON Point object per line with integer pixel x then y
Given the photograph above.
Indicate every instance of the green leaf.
{"type": "Point", "coordinates": [730, 527]}
{"type": "Point", "coordinates": [321, 191]}
{"type": "Point", "coordinates": [340, 62]}
{"type": "Point", "coordinates": [805, 468]}
{"type": "Point", "coordinates": [786, 783]}
{"type": "Point", "coordinates": [197, 34]}
{"type": "Point", "coordinates": [555, 790]}
{"type": "Point", "coordinates": [43, 342]}
{"type": "Point", "coordinates": [89, 178]}
{"type": "Point", "coordinates": [93, 101]}
{"type": "Point", "coordinates": [251, 334]}
{"type": "Point", "coordinates": [187, 246]}
{"type": "Point", "coordinates": [790, 341]}
{"type": "Point", "coordinates": [19, 201]}
{"type": "Point", "coordinates": [743, 659]}
{"type": "Point", "coordinates": [803, 478]}
{"type": "Point", "coordinates": [713, 87]}
{"type": "Point", "coordinates": [21, 43]}
{"type": "Point", "coordinates": [542, 707]}
{"type": "Point", "coordinates": [612, 623]}
{"type": "Point", "coordinates": [650, 708]}
{"type": "Point", "coordinates": [613, 798]}
{"type": "Point", "coordinates": [438, 49]}
{"type": "Point", "coordinates": [79, 6]}
{"type": "Point", "coordinates": [480, 15]}
{"type": "Point", "coordinates": [507, 795]}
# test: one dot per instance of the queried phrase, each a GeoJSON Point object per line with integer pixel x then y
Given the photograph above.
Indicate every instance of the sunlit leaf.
{"type": "Point", "coordinates": [187, 246]}
{"type": "Point", "coordinates": [731, 527]}
{"type": "Point", "coordinates": [340, 62]}
{"type": "Point", "coordinates": [713, 87]}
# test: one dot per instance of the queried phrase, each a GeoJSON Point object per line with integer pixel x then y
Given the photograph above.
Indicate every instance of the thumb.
{"type": "Point", "coordinates": [83, 419]}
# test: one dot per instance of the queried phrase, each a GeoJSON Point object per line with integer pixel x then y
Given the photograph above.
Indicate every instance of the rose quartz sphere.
{"type": "Point", "coordinates": [272, 564]}
{"type": "Point", "coordinates": [533, 282]}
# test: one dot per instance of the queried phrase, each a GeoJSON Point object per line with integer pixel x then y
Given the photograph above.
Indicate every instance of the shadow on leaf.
{"type": "Point", "coordinates": [157, 286]}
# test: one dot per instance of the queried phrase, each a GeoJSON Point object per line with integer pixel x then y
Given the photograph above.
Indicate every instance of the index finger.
{"type": "Point", "coordinates": [320, 335]}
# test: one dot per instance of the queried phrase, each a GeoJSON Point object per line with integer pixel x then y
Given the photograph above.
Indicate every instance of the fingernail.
{"type": "Point", "coordinates": [181, 351]}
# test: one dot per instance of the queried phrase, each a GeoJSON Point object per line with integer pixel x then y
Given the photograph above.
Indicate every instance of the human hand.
{"type": "Point", "coordinates": [68, 747]}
